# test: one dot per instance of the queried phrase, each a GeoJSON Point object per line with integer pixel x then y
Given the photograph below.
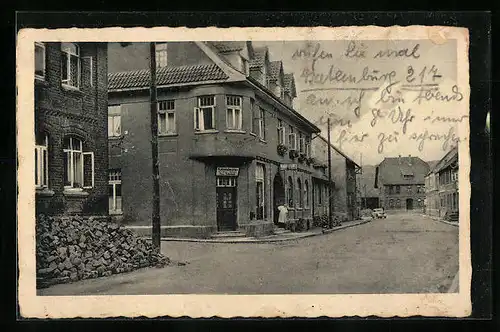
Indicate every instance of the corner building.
{"type": "Point", "coordinates": [231, 146]}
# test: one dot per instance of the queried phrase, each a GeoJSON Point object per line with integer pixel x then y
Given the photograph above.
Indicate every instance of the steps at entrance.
{"type": "Point", "coordinates": [228, 235]}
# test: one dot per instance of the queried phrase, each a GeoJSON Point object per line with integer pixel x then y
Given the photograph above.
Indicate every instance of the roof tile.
{"type": "Point", "coordinates": [166, 76]}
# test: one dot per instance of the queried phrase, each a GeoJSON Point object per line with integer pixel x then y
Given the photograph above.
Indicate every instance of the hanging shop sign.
{"type": "Point", "coordinates": [227, 171]}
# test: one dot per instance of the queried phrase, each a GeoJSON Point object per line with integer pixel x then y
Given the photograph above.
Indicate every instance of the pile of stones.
{"type": "Point", "coordinates": [74, 248]}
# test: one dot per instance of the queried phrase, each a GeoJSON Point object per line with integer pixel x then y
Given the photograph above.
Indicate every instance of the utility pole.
{"type": "Point", "coordinates": [330, 221]}
{"type": "Point", "coordinates": [154, 149]}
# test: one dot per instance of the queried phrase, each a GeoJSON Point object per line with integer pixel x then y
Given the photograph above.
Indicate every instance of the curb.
{"type": "Point", "coordinates": [441, 220]}
{"type": "Point", "coordinates": [263, 240]}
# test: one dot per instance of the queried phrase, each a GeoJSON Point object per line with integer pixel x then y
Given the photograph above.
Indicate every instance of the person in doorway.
{"type": "Point", "coordinates": [283, 215]}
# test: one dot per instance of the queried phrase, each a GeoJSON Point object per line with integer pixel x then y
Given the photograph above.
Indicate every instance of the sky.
{"type": "Point", "coordinates": [372, 114]}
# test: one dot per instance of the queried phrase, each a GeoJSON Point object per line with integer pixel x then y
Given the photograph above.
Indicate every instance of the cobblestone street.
{"type": "Point", "coordinates": [405, 253]}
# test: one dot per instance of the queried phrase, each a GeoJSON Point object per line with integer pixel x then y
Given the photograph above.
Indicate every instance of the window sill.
{"type": "Point", "coordinates": [115, 138]}
{"type": "Point", "coordinates": [168, 135]}
{"type": "Point", "coordinates": [253, 134]}
{"type": "Point", "coordinates": [41, 81]}
{"type": "Point", "coordinates": [235, 131]}
{"type": "Point", "coordinates": [262, 141]}
{"type": "Point", "coordinates": [72, 89]}
{"type": "Point", "coordinates": [46, 192]}
{"type": "Point", "coordinates": [115, 213]}
{"type": "Point", "coordinates": [75, 192]}
{"type": "Point", "coordinates": [201, 132]}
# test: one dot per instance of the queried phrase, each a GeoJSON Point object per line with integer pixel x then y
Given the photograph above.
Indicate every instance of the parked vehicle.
{"type": "Point", "coordinates": [379, 213]}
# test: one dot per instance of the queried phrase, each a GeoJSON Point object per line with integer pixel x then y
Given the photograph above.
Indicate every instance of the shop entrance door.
{"type": "Point", "coordinates": [226, 203]}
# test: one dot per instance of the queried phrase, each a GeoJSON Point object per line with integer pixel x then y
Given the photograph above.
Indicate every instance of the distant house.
{"type": "Point", "coordinates": [442, 187]}
{"type": "Point", "coordinates": [400, 182]}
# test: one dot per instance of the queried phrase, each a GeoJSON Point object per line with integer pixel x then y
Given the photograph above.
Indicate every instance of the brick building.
{"type": "Point", "coordinates": [442, 187]}
{"type": "Point", "coordinates": [231, 146]}
{"type": "Point", "coordinates": [401, 183]}
{"type": "Point", "coordinates": [70, 128]}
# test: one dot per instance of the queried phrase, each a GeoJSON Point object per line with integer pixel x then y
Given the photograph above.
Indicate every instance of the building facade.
{"type": "Point", "coordinates": [70, 128]}
{"type": "Point", "coordinates": [401, 183]}
{"type": "Point", "coordinates": [442, 198]}
{"type": "Point", "coordinates": [231, 147]}
{"type": "Point", "coordinates": [343, 175]}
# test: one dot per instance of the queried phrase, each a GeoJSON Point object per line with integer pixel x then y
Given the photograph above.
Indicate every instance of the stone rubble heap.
{"type": "Point", "coordinates": [74, 248]}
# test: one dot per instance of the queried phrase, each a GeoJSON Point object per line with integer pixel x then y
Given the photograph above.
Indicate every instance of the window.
{"type": "Point", "coordinates": [115, 190]}
{"type": "Point", "coordinates": [391, 203]}
{"type": "Point", "coordinates": [308, 147]}
{"type": "Point", "coordinates": [78, 165]}
{"type": "Point", "coordinates": [262, 123]}
{"type": "Point", "coordinates": [292, 139]}
{"type": "Point", "coordinates": [408, 188]}
{"type": "Point", "coordinates": [306, 194]}
{"type": "Point", "coordinates": [233, 113]}
{"type": "Point", "coordinates": [41, 162]}
{"type": "Point", "coordinates": [281, 132]}
{"type": "Point", "coordinates": [398, 203]}
{"type": "Point", "coordinates": [253, 126]}
{"type": "Point", "coordinates": [204, 117]}
{"type": "Point", "coordinates": [290, 191]}
{"type": "Point", "coordinates": [442, 201]}
{"type": "Point", "coordinates": [299, 196]}
{"type": "Point", "coordinates": [260, 191]}
{"type": "Point", "coordinates": [40, 61]}
{"type": "Point", "coordinates": [301, 143]}
{"type": "Point", "coordinates": [166, 117]}
{"type": "Point", "coordinates": [114, 121]}
{"type": "Point", "coordinates": [161, 55]}
{"type": "Point", "coordinates": [397, 189]}
{"type": "Point", "coordinates": [71, 66]}
{"type": "Point", "coordinates": [320, 196]}
{"type": "Point", "coordinates": [226, 181]}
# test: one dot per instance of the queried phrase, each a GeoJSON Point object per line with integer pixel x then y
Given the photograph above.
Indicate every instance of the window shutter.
{"type": "Point", "coordinates": [88, 169]}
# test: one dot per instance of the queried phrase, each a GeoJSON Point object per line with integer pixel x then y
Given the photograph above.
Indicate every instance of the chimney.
{"type": "Point", "coordinates": [409, 160]}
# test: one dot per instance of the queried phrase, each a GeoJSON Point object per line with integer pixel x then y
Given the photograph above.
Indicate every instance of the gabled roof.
{"type": "Point", "coordinates": [449, 158]}
{"type": "Point", "coordinates": [393, 170]}
{"type": "Point", "coordinates": [275, 70]}
{"type": "Point", "coordinates": [289, 82]}
{"type": "Point", "coordinates": [166, 76]}
{"type": "Point", "coordinates": [259, 57]}
{"type": "Point", "coordinates": [228, 46]}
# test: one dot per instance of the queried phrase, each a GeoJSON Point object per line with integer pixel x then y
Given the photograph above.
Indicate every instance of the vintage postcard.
{"type": "Point", "coordinates": [244, 172]}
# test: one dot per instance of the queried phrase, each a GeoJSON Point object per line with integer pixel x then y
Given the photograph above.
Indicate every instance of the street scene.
{"type": "Point", "coordinates": [248, 167]}
{"type": "Point", "coordinates": [405, 253]}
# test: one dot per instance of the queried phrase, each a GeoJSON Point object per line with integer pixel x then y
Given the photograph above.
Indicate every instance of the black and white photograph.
{"type": "Point", "coordinates": [324, 164]}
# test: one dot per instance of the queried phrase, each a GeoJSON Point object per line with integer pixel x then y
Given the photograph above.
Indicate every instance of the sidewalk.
{"type": "Point", "coordinates": [285, 236]}
{"type": "Point", "coordinates": [441, 220]}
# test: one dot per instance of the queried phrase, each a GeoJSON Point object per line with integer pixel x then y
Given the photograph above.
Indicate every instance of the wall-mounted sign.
{"type": "Point", "coordinates": [227, 171]}
{"type": "Point", "coordinates": [288, 166]}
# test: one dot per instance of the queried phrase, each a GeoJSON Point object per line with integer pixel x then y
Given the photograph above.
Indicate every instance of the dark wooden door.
{"type": "Point", "coordinates": [409, 204]}
{"type": "Point", "coordinates": [226, 208]}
